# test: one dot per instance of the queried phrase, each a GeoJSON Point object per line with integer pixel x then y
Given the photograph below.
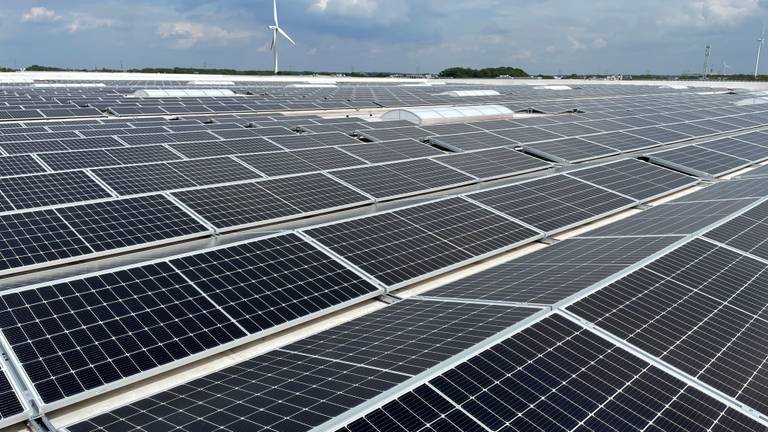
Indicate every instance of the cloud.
{"type": "Point", "coordinates": [71, 22]}
{"type": "Point", "coordinates": [701, 13]}
{"type": "Point", "coordinates": [40, 14]}
{"type": "Point", "coordinates": [185, 34]}
{"type": "Point", "coordinates": [382, 11]}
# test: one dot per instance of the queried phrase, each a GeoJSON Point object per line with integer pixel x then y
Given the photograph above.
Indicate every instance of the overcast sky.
{"type": "Point", "coordinates": [541, 36]}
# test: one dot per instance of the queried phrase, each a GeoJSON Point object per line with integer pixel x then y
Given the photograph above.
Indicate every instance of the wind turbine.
{"type": "Point", "coordinates": [275, 30]}
{"type": "Point", "coordinates": [760, 43]}
{"type": "Point", "coordinates": [726, 66]}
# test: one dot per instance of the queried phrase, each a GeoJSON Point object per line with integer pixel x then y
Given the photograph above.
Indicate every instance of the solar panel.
{"type": "Point", "coordinates": [569, 150]}
{"type": "Point", "coordinates": [92, 143]}
{"type": "Point", "coordinates": [413, 132]}
{"type": "Point", "coordinates": [12, 410]}
{"type": "Point", "coordinates": [33, 147]}
{"type": "Point", "coordinates": [391, 151]}
{"type": "Point", "coordinates": [698, 308]}
{"type": "Point", "coordinates": [235, 206]}
{"type": "Point", "coordinates": [737, 148]}
{"type": "Point", "coordinates": [553, 203]}
{"type": "Point", "coordinates": [527, 135]}
{"type": "Point", "coordinates": [224, 148]}
{"type": "Point", "coordinates": [605, 125]}
{"type": "Point", "coordinates": [19, 165]}
{"type": "Point", "coordinates": [690, 129]}
{"type": "Point", "coordinates": [493, 163]}
{"type": "Point", "coordinates": [28, 239]}
{"type": "Point", "coordinates": [72, 160]}
{"type": "Point", "coordinates": [555, 273]}
{"type": "Point", "coordinates": [279, 163]}
{"type": "Point", "coordinates": [408, 244]}
{"type": "Point", "coordinates": [314, 192]}
{"type": "Point", "coordinates": [419, 410]}
{"type": "Point", "coordinates": [299, 142]}
{"type": "Point", "coordinates": [402, 178]}
{"type": "Point", "coordinates": [758, 138]}
{"type": "Point", "coordinates": [42, 190]}
{"type": "Point", "coordinates": [731, 189]}
{"type": "Point", "coordinates": [471, 141]}
{"type": "Point", "coordinates": [412, 335]}
{"type": "Point", "coordinates": [145, 154]}
{"type": "Point", "coordinates": [75, 336]}
{"type": "Point", "coordinates": [635, 122]}
{"type": "Point", "coordinates": [138, 179]}
{"type": "Point", "coordinates": [698, 161]}
{"type": "Point", "coordinates": [267, 283]}
{"type": "Point", "coordinates": [146, 139]}
{"type": "Point", "coordinates": [746, 232]}
{"type": "Point", "coordinates": [673, 218]}
{"type": "Point", "coordinates": [636, 179]}
{"type": "Point", "coordinates": [659, 134]}
{"type": "Point", "coordinates": [556, 375]}
{"type": "Point", "coordinates": [450, 129]}
{"type": "Point", "coordinates": [131, 222]}
{"type": "Point", "coordinates": [570, 129]}
{"type": "Point", "coordinates": [277, 391]}
{"type": "Point", "coordinates": [211, 171]}
{"type": "Point", "coordinates": [329, 158]}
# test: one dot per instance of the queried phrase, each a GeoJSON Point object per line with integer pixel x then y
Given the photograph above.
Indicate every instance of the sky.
{"type": "Point", "coordinates": [540, 36]}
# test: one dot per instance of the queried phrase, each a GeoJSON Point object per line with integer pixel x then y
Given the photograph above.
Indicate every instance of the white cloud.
{"type": "Point", "coordinates": [383, 11]}
{"type": "Point", "coordinates": [71, 22]}
{"type": "Point", "coordinates": [187, 34]}
{"type": "Point", "coordinates": [40, 14]}
{"type": "Point", "coordinates": [701, 13]}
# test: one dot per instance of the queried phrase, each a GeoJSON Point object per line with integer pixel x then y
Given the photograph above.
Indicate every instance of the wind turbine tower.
{"type": "Point", "coordinates": [760, 43]}
{"type": "Point", "coordinates": [707, 52]}
{"type": "Point", "coordinates": [275, 30]}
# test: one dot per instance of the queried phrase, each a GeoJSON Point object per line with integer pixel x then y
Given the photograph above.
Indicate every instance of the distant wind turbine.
{"type": "Point", "coordinates": [726, 66]}
{"type": "Point", "coordinates": [760, 43]}
{"type": "Point", "coordinates": [275, 30]}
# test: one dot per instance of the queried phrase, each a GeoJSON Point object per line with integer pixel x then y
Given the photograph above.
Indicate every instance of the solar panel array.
{"type": "Point", "coordinates": [439, 361]}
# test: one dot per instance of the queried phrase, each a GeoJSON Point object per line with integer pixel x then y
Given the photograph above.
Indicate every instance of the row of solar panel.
{"type": "Point", "coordinates": [550, 204]}
{"type": "Point", "coordinates": [519, 382]}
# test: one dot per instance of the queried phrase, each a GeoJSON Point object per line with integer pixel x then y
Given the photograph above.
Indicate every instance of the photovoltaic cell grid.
{"type": "Point", "coordinates": [471, 141]}
{"type": "Point", "coordinates": [698, 160]}
{"type": "Point", "coordinates": [41, 190]}
{"type": "Point", "coordinates": [391, 151]}
{"type": "Point", "coordinates": [569, 150]}
{"type": "Point", "coordinates": [552, 203]}
{"type": "Point", "coordinates": [622, 141]}
{"type": "Point", "coordinates": [117, 224]}
{"type": "Point", "coordinates": [19, 165]}
{"type": "Point", "coordinates": [700, 308]}
{"type": "Point", "coordinates": [555, 375]}
{"type": "Point", "coordinates": [278, 391]}
{"type": "Point", "coordinates": [10, 405]}
{"type": "Point", "coordinates": [556, 272]}
{"type": "Point", "coordinates": [731, 189]}
{"type": "Point", "coordinates": [493, 163]}
{"type": "Point", "coordinates": [409, 243]}
{"type": "Point", "coordinates": [272, 281]}
{"type": "Point", "coordinates": [737, 148]}
{"type": "Point", "coordinates": [420, 410]}
{"type": "Point", "coordinates": [402, 178]}
{"type": "Point", "coordinates": [673, 218]}
{"type": "Point", "coordinates": [747, 232]}
{"type": "Point", "coordinates": [634, 178]}
{"type": "Point", "coordinates": [232, 206]}
{"type": "Point", "coordinates": [75, 336]}
{"type": "Point", "coordinates": [411, 336]}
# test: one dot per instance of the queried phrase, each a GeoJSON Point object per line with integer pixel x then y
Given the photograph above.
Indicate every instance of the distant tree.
{"type": "Point", "coordinates": [461, 72]}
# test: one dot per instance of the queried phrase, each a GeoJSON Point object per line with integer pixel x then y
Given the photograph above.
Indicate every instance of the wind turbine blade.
{"type": "Point", "coordinates": [274, 40]}
{"type": "Point", "coordinates": [274, 12]}
{"type": "Point", "coordinates": [285, 35]}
